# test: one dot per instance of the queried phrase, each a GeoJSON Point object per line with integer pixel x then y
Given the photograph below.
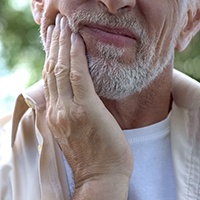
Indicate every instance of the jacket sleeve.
{"type": "Point", "coordinates": [19, 165]}
{"type": "Point", "coordinates": [31, 162]}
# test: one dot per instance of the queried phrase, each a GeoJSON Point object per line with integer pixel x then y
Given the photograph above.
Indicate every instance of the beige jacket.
{"type": "Point", "coordinates": [33, 168]}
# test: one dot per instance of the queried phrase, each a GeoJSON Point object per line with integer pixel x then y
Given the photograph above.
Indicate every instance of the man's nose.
{"type": "Point", "coordinates": [117, 6]}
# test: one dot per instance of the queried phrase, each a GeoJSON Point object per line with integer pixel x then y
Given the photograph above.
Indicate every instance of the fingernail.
{"type": "Point", "coordinates": [73, 38]}
{"type": "Point", "coordinates": [49, 31]}
{"type": "Point", "coordinates": [63, 23]}
{"type": "Point", "coordinates": [58, 19]}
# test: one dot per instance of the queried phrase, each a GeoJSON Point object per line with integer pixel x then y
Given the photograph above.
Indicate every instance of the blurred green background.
{"type": "Point", "coordinates": [22, 57]}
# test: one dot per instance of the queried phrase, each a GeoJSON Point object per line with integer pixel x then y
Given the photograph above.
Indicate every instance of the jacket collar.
{"type": "Point", "coordinates": [185, 91]}
{"type": "Point", "coordinates": [33, 97]}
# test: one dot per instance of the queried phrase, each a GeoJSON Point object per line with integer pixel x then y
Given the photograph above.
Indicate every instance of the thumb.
{"type": "Point", "coordinates": [81, 81]}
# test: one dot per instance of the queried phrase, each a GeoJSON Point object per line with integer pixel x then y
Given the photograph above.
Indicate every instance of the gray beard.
{"type": "Point", "coordinates": [115, 80]}
{"type": "Point", "coordinates": [111, 78]}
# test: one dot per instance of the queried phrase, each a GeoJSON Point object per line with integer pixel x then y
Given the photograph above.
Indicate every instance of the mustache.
{"type": "Point", "coordinates": [135, 25]}
{"type": "Point", "coordinates": [79, 18]}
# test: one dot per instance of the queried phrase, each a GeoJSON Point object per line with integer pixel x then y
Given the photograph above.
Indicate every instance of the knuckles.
{"type": "Point", "coordinates": [79, 115]}
{"type": "Point", "coordinates": [57, 120]}
{"type": "Point", "coordinates": [76, 77]}
{"type": "Point", "coordinates": [61, 69]}
{"type": "Point", "coordinates": [67, 116]}
{"type": "Point", "coordinates": [50, 65]}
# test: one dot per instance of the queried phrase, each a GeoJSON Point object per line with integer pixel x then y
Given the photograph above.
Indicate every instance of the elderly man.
{"type": "Point", "coordinates": [109, 96]}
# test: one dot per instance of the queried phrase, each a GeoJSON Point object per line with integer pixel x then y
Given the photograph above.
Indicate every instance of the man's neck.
{"type": "Point", "coordinates": [150, 106]}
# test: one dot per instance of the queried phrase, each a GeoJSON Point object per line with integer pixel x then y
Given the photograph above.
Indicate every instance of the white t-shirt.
{"type": "Point", "coordinates": [153, 174]}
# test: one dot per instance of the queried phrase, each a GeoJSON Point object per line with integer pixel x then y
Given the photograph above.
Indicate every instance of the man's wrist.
{"type": "Point", "coordinates": [111, 187]}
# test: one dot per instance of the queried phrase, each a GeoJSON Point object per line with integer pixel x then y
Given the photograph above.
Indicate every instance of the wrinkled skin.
{"type": "Point", "coordinates": [87, 130]}
{"type": "Point", "coordinates": [88, 134]}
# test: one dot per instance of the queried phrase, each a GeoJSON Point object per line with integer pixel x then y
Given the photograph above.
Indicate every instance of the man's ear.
{"type": "Point", "coordinates": [189, 31]}
{"type": "Point", "coordinates": [37, 7]}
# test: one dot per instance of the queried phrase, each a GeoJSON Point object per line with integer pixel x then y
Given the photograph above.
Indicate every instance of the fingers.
{"type": "Point", "coordinates": [48, 39]}
{"type": "Point", "coordinates": [63, 65]}
{"type": "Point", "coordinates": [66, 74]}
{"type": "Point", "coordinates": [55, 39]}
{"type": "Point", "coordinates": [52, 61]}
{"type": "Point", "coordinates": [44, 73]}
{"type": "Point", "coordinates": [52, 48]}
{"type": "Point", "coordinates": [81, 81]}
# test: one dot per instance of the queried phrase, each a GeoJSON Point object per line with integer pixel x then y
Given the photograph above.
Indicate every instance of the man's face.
{"type": "Point", "coordinates": [128, 43]}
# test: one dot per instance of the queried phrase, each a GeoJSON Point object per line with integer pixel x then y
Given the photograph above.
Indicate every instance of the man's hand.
{"type": "Point", "coordinates": [87, 133]}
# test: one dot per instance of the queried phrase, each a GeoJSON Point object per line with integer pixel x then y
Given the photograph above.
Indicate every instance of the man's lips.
{"type": "Point", "coordinates": [115, 36]}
